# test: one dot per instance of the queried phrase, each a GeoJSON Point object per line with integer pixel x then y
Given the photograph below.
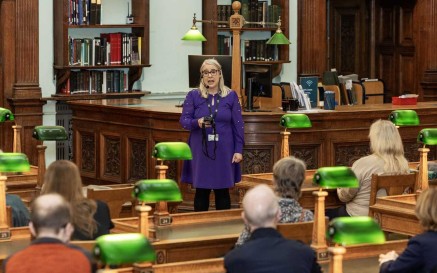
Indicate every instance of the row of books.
{"type": "Point", "coordinates": [96, 82]}
{"type": "Point", "coordinates": [258, 50]}
{"type": "Point", "coordinates": [252, 11]}
{"type": "Point", "coordinates": [108, 49]}
{"type": "Point", "coordinates": [84, 12]}
{"type": "Point", "coordinates": [224, 45]}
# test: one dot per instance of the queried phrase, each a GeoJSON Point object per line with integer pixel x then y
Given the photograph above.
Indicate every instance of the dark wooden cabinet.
{"type": "Point", "coordinates": [63, 30]}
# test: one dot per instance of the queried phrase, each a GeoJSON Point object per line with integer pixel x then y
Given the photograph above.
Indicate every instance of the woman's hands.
{"type": "Point", "coordinates": [237, 158]}
{"type": "Point", "coordinates": [389, 256]}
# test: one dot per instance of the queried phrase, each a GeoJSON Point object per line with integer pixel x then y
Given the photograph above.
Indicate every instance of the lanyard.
{"type": "Point", "coordinates": [213, 115]}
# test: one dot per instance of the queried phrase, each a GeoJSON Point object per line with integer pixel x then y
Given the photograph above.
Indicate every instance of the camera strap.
{"type": "Point", "coordinates": [213, 114]}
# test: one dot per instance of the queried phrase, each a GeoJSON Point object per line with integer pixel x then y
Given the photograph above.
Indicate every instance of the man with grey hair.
{"type": "Point", "coordinates": [50, 224]}
{"type": "Point", "coordinates": [266, 250]}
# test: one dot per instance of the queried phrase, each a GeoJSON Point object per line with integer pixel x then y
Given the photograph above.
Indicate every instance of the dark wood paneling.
{"type": "Point", "coordinates": [336, 138]}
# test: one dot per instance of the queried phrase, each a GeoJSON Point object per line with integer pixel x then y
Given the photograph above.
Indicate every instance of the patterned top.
{"type": "Point", "coordinates": [291, 212]}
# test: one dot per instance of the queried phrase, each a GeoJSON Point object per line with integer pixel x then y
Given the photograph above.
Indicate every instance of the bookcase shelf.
{"type": "Point", "coordinates": [210, 31]}
{"type": "Point", "coordinates": [122, 95]}
{"type": "Point", "coordinates": [78, 44]}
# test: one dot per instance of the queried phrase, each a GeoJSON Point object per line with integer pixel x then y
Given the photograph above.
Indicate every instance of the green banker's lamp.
{"type": "Point", "coordinates": [344, 231]}
{"type": "Point", "coordinates": [154, 190]}
{"type": "Point", "coordinates": [167, 151]}
{"type": "Point", "coordinates": [404, 118]}
{"type": "Point", "coordinates": [46, 133]}
{"type": "Point", "coordinates": [328, 178]}
{"type": "Point", "coordinates": [9, 162]}
{"type": "Point", "coordinates": [236, 23]}
{"type": "Point", "coordinates": [426, 136]}
{"type": "Point", "coordinates": [6, 115]}
{"type": "Point", "coordinates": [124, 248]}
{"type": "Point", "coordinates": [292, 121]}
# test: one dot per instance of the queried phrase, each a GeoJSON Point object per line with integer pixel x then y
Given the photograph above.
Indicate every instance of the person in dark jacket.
{"type": "Point", "coordinates": [420, 254]}
{"type": "Point", "coordinates": [266, 250]}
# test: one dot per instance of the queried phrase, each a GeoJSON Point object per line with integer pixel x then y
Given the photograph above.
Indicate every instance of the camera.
{"type": "Point", "coordinates": [208, 120]}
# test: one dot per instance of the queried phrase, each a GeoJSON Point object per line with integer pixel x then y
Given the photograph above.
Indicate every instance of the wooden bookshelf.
{"type": "Point", "coordinates": [63, 29]}
{"type": "Point", "coordinates": [210, 31]}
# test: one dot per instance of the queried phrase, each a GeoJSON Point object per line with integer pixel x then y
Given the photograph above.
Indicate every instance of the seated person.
{"type": "Point", "coordinates": [419, 256]}
{"type": "Point", "coordinates": [91, 219]}
{"type": "Point", "coordinates": [288, 176]}
{"type": "Point", "coordinates": [20, 213]}
{"type": "Point", "coordinates": [387, 157]}
{"type": "Point", "coordinates": [50, 251]}
{"type": "Point", "coordinates": [266, 250]}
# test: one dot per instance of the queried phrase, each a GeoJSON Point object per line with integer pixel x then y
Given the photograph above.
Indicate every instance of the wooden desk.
{"type": "Point", "coordinates": [396, 214]}
{"type": "Point", "coordinates": [306, 200]}
{"type": "Point", "coordinates": [114, 139]}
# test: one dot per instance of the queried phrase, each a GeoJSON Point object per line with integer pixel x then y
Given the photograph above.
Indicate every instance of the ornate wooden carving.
{"type": "Point", "coordinates": [88, 153]}
{"type": "Point", "coordinates": [309, 154]}
{"type": "Point", "coordinates": [138, 159]}
{"type": "Point", "coordinates": [346, 155]}
{"type": "Point", "coordinates": [258, 159]}
{"type": "Point", "coordinates": [112, 156]}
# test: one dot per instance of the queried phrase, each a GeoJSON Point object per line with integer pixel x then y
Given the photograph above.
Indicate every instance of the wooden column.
{"type": "Point", "coordinates": [312, 51]}
{"type": "Point", "coordinates": [422, 179]}
{"type": "Point", "coordinates": [336, 263]}
{"type": "Point", "coordinates": [285, 146]}
{"type": "Point", "coordinates": [17, 138]}
{"type": "Point", "coordinates": [429, 82]}
{"type": "Point", "coordinates": [41, 166]}
{"type": "Point", "coordinates": [19, 53]}
{"type": "Point", "coordinates": [143, 225]}
{"type": "Point", "coordinates": [319, 238]}
{"type": "Point", "coordinates": [5, 233]}
{"type": "Point", "coordinates": [161, 214]}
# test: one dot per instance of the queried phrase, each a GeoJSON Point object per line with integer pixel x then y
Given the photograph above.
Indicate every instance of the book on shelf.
{"type": "Point", "coordinates": [258, 50]}
{"type": "Point", "coordinates": [84, 12]}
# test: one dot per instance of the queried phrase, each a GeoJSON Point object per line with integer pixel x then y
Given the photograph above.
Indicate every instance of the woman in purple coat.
{"type": "Point", "coordinates": [212, 113]}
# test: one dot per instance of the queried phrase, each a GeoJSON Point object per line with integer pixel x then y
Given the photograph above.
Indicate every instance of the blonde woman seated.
{"type": "Point", "coordinates": [387, 157]}
{"type": "Point", "coordinates": [288, 176]}
{"type": "Point", "coordinates": [90, 218]}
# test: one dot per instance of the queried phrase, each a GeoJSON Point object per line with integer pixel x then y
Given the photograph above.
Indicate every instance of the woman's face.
{"type": "Point", "coordinates": [211, 76]}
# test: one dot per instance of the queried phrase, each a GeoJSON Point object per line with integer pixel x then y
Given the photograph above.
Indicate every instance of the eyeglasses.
{"type": "Point", "coordinates": [213, 72]}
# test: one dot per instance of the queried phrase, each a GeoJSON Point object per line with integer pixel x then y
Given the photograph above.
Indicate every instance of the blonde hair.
{"type": "Point", "coordinates": [288, 176]}
{"type": "Point", "coordinates": [63, 177]}
{"type": "Point", "coordinates": [223, 89]}
{"type": "Point", "coordinates": [386, 143]}
{"type": "Point", "coordinates": [426, 210]}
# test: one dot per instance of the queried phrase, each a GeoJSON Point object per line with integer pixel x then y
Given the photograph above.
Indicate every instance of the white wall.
{"type": "Point", "coordinates": [169, 20]}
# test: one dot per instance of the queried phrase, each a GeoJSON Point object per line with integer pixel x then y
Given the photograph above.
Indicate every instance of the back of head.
{"type": "Point", "coordinates": [288, 176]}
{"type": "Point", "coordinates": [386, 142]}
{"type": "Point", "coordinates": [261, 207]}
{"type": "Point", "coordinates": [426, 210]}
{"type": "Point", "coordinates": [63, 177]}
{"type": "Point", "coordinates": [50, 212]}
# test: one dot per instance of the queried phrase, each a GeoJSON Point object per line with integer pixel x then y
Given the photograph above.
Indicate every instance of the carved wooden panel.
{"type": "Point", "coordinates": [347, 154]}
{"type": "Point", "coordinates": [309, 154]}
{"type": "Point", "coordinates": [111, 156]}
{"type": "Point", "coordinates": [172, 172]}
{"type": "Point", "coordinates": [88, 152]}
{"type": "Point", "coordinates": [257, 159]}
{"type": "Point", "coordinates": [138, 159]}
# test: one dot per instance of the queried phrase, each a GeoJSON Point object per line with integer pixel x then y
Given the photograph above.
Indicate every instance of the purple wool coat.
{"type": "Point", "coordinates": [202, 171]}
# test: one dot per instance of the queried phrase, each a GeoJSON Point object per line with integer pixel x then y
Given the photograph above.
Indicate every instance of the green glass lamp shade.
{"type": "Point", "coordinates": [354, 230]}
{"type": "Point", "coordinates": [278, 39]}
{"type": "Point", "coordinates": [404, 118]}
{"type": "Point", "coordinates": [155, 190]}
{"type": "Point", "coordinates": [45, 133]}
{"type": "Point", "coordinates": [172, 151]}
{"type": "Point", "coordinates": [428, 136]}
{"type": "Point", "coordinates": [194, 35]}
{"type": "Point", "coordinates": [295, 121]}
{"type": "Point", "coordinates": [123, 248]}
{"type": "Point", "coordinates": [14, 162]}
{"type": "Point", "coordinates": [6, 114]}
{"type": "Point", "coordinates": [335, 177]}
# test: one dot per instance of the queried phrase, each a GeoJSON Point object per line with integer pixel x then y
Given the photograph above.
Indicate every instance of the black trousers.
{"type": "Point", "coordinates": [336, 212]}
{"type": "Point", "coordinates": [222, 199]}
